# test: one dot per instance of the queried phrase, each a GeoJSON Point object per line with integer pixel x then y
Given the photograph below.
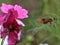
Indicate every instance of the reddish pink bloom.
{"type": "Point", "coordinates": [11, 28]}
{"type": "Point", "coordinates": [11, 24]}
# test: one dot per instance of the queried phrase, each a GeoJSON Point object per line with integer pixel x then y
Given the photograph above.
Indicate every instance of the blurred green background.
{"type": "Point", "coordinates": [35, 33]}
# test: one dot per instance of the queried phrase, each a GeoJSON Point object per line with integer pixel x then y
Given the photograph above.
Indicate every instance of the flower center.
{"type": "Point", "coordinates": [11, 27]}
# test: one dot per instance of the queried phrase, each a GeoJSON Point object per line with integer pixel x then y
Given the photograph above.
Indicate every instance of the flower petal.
{"type": "Point", "coordinates": [12, 38]}
{"type": "Point", "coordinates": [20, 22]}
{"type": "Point", "coordinates": [17, 7]}
{"type": "Point", "coordinates": [22, 13]}
{"type": "Point", "coordinates": [4, 33]}
{"type": "Point", "coordinates": [5, 7]}
{"type": "Point", "coordinates": [19, 34]}
{"type": "Point", "coordinates": [1, 29]}
{"type": "Point", "coordinates": [10, 6]}
{"type": "Point", "coordinates": [2, 17]}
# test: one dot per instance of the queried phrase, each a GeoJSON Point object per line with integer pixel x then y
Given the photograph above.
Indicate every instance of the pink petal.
{"type": "Point", "coordinates": [12, 38]}
{"type": "Point", "coordinates": [1, 29]}
{"type": "Point", "coordinates": [10, 6]}
{"type": "Point", "coordinates": [20, 22]}
{"type": "Point", "coordinates": [19, 34]}
{"type": "Point", "coordinates": [2, 18]}
{"type": "Point", "coordinates": [5, 7]}
{"type": "Point", "coordinates": [17, 7]}
{"type": "Point", "coordinates": [11, 41]}
{"type": "Point", "coordinates": [22, 13]}
{"type": "Point", "coordinates": [3, 34]}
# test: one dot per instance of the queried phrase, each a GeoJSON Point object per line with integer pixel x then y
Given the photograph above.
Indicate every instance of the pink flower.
{"type": "Point", "coordinates": [11, 27]}
{"type": "Point", "coordinates": [10, 22]}
{"type": "Point", "coordinates": [17, 10]}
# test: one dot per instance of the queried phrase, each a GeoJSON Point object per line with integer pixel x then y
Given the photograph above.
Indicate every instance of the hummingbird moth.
{"type": "Point", "coordinates": [46, 20]}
